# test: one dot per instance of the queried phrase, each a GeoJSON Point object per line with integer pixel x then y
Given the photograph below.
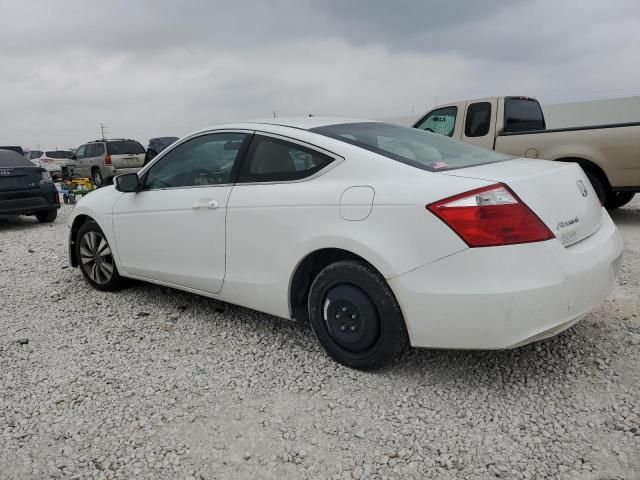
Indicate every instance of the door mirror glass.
{"type": "Point", "coordinates": [127, 183]}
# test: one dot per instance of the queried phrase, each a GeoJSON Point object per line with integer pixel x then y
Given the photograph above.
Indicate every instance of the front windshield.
{"type": "Point", "coordinates": [424, 150]}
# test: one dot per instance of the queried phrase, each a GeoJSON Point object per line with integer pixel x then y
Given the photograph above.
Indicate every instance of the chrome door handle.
{"type": "Point", "coordinates": [205, 203]}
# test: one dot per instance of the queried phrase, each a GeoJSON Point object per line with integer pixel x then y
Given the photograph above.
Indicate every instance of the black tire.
{"type": "Point", "coordinates": [96, 177]}
{"type": "Point", "coordinates": [372, 331]}
{"type": "Point", "coordinates": [618, 199]}
{"type": "Point", "coordinates": [96, 261]}
{"type": "Point", "coordinates": [599, 185]}
{"type": "Point", "coordinates": [47, 216]}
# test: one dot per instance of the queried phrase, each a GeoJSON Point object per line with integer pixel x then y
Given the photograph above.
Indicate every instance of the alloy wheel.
{"type": "Point", "coordinates": [96, 257]}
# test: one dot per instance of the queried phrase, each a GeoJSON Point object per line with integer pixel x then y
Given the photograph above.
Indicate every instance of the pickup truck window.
{"type": "Point", "coordinates": [411, 146]}
{"type": "Point", "coordinates": [442, 121]}
{"type": "Point", "coordinates": [478, 119]}
{"type": "Point", "coordinates": [522, 114]}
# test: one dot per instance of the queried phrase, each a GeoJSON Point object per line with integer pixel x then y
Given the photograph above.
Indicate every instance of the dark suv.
{"type": "Point", "coordinates": [101, 160]}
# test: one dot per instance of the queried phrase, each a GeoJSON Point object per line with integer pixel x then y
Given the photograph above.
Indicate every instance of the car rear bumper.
{"type": "Point", "coordinates": [504, 297]}
{"type": "Point", "coordinates": [26, 206]}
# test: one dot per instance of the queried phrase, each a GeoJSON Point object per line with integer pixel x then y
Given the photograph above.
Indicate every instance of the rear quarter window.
{"type": "Point", "coordinates": [522, 114]}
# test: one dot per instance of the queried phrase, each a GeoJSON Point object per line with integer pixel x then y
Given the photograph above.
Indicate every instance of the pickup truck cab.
{"type": "Point", "coordinates": [609, 154]}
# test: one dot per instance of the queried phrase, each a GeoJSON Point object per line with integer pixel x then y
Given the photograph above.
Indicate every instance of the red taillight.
{"type": "Point", "coordinates": [107, 160]}
{"type": "Point", "coordinates": [57, 197]}
{"type": "Point", "coordinates": [490, 216]}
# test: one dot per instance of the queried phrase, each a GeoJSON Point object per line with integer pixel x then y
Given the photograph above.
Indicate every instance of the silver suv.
{"type": "Point", "coordinates": [101, 160]}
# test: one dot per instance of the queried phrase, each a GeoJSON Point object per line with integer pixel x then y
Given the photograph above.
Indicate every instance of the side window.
{"type": "Point", "coordinates": [97, 149]}
{"type": "Point", "coordinates": [205, 160]}
{"type": "Point", "coordinates": [272, 160]}
{"type": "Point", "coordinates": [478, 119]}
{"type": "Point", "coordinates": [442, 121]}
{"type": "Point", "coordinates": [35, 154]}
{"type": "Point", "coordinates": [81, 152]}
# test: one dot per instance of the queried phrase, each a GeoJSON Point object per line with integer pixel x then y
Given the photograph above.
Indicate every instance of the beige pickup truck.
{"type": "Point", "coordinates": [609, 154]}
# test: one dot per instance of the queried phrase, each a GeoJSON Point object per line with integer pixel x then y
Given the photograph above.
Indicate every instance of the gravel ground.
{"type": "Point", "coordinates": [159, 384]}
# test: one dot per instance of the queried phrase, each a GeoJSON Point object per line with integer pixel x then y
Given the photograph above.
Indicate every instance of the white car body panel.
{"type": "Point", "coordinates": [247, 249]}
{"type": "Point", "coordinates": [502, 297]}
{"type": "Point", "coordinates": [149, 225]}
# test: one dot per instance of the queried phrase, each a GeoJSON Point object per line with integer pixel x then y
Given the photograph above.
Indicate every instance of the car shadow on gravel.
{"type": "Point", "coordinates": [569, 357]}
{"type": "Point", "coordinates": [628, 215]}
{"type": "Point", "coordinates": [12, 223]}
{"type": "Point", "coordinates": [572, 357]}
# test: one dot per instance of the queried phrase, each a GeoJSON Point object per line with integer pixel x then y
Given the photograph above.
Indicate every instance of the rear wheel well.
{"type": "Point", "coordinates": [307, 271]}
{"type": "Point", "coordinates": [78, 222]}
{"type": "Point", "coordinates": [588, 165]}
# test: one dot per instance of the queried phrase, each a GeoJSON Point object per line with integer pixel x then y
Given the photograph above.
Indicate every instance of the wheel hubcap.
{"type": "Point", "coordinates": [96, 258]}
{"type": "Point", "coordinates": [351, 318]}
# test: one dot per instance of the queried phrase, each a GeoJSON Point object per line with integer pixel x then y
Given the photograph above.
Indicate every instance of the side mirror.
{"type": "Point", "coordinates": [128, 182]}
{"type": "Point", "coordinates": [74, 157]}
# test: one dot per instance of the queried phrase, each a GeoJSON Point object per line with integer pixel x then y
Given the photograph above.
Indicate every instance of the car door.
{"type": "Point", "coordinates": [268, 205]}
{"type": "Point", "coordinates": [80, 166]}
{"type": "Point", "coordinates": [173, 230]}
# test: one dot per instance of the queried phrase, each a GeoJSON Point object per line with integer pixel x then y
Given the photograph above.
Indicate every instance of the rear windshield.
{"type": "Point", "coordinates": [123, 147]}
{"type": "Point", "coordinates": [418, 148]}
{"type": "Point", "coordinates": [59, 154]}
{"type": "Point", "coordinates": [9, 158]}
{"type": "Point", "coordinates": [522, 114]}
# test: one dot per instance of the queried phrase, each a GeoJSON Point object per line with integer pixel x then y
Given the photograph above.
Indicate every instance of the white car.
{"type": "Point", "coordinates": [375, 233]}
{"type": "Point", "coordinates": [51, 160]}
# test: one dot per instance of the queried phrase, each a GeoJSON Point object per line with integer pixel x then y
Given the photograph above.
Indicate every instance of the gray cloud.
{"type": "Point", "coordinates": [149, 68]}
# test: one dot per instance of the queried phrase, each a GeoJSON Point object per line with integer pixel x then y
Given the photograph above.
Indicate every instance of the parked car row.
{"type": "Point", "coordinates": [99, 160]}
{"type": "Point", "coordinates": [27, 177]}
{"type": "Point", "coordinates": [51, 160]}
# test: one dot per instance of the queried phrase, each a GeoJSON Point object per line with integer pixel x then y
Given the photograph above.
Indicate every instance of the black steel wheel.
{"type": "Point", "coordinates": [95, 258]}
{"type": "Point", "coordinates": [355, 315]}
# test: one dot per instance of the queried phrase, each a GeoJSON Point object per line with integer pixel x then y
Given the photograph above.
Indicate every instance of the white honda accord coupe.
{"type": "Point", "coordinates": [377, 234]}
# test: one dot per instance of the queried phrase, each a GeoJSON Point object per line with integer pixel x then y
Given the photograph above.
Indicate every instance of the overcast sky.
{"type": "Point", "coordinates": [160, 67]}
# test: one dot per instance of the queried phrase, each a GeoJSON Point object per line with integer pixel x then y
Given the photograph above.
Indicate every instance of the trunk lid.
{"type": "Point", "coordinates": [128, 160]}
{"type": "Point", "coordinates": [558, 193]}
{"type": "Point", "coordinates": [126, 153]}
{"type": "Point", "coordinates": [19, 178]}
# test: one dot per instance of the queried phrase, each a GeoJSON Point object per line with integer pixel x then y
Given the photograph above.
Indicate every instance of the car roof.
{"type": "Point", "coordinates": [107, 140]}
{"type": "Point", "coordinates": [307, 123]}
{"type": "Point", "coordinates": [301, 123]}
